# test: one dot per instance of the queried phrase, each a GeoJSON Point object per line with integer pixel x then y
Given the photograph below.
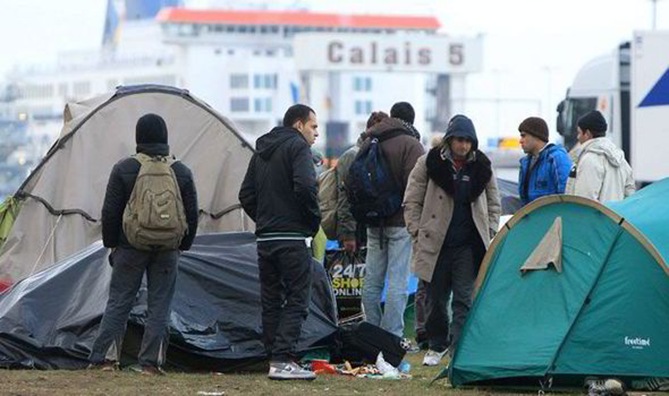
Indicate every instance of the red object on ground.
{"type": "Point", "coordinates": [320, 366]}
{"type": "Point", "coordinates": [5, 283]}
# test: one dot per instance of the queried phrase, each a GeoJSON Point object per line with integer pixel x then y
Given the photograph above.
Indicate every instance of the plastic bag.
{"type": "Point", "coordinates": [347, 273]}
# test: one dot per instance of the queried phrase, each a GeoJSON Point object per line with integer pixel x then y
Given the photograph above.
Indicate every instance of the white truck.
{"type": "Point", "coordinates": [631, 88]}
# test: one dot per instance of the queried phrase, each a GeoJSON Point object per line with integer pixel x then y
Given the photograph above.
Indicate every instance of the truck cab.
{"type": "Point", "coordinates": [602, 84]}
{"type": "Point", "coordinates": [630, 87]}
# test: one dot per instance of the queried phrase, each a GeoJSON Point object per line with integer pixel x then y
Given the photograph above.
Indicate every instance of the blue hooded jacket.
{"type": "Point", "coordinates": [548, 176]}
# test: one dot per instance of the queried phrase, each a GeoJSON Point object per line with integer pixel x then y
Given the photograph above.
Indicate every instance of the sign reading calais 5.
{"type": "Point", "coordinates": [402, 53]}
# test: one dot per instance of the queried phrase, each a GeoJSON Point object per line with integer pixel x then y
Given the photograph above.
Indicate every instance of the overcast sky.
{"type": "Point", "coordinates": [532, 48]}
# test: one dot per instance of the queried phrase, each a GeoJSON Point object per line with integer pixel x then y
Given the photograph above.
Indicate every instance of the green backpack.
{"type": "Point", "coordinates": [154, 218]}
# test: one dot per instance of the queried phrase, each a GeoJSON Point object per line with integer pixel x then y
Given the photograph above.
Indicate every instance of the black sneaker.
{"type": "Point", "coordinates": [289, 371]}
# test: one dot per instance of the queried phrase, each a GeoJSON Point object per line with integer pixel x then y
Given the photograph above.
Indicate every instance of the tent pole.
{"type": "Point", "coordinates": [48, 241]}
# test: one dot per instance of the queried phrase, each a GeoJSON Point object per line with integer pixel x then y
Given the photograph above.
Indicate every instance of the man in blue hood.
{"type": "Point", "coordinates": [280, 194]}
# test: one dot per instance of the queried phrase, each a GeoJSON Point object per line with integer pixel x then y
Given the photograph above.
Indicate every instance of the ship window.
{"type": "Point", "coordinates": [239, 81]}
{"type": "Point", "coordinates": [363, 107]}
{"type": "Point", "coordinates": [362, 84]}
{"type": "Point", "coordinates": [239, 104]}
{"type": "Point", "coordinates": [265, 81]}
{"type": "Point", "coordinates": [262, 105]}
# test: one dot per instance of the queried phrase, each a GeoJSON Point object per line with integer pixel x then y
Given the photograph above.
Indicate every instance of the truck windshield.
{"type": "Point", "coordinates": [570, 112]}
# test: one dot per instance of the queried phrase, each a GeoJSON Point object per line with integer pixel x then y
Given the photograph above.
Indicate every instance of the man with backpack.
{"type": "Point", "coordinates": [280, 194]}
{"type": "Point", "coordinates": [337, 220]}
{"type": "Point", "coordinates": [150, 214]}
{"type": "Point", "coordinates": [375, 186]}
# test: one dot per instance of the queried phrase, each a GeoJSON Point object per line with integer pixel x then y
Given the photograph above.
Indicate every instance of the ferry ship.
{"type": "Point", "coordinates": [250, 64]}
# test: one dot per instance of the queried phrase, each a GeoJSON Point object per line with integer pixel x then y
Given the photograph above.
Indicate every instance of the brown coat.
{"type": "Point", "coordinates": [428, 210]}
{"type": "Point", "coordinates": [402, 152]}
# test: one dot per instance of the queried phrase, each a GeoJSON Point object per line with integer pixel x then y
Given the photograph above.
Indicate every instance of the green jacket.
{"type": "Point", "coordinates": [346, 224]}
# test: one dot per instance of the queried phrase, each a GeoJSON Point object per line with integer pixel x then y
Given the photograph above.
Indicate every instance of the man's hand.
{"type": "Point", "coordinates": [349, 245]}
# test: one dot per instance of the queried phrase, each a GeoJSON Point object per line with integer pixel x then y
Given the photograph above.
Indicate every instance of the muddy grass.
{"type": "Point", "coordinates": [83, 382]}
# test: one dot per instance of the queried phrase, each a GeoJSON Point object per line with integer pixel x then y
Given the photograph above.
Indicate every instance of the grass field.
{"type": "Point", "coordinates": [83, 382]}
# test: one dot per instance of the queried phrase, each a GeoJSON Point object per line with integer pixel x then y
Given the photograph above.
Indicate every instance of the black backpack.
{"type": "Point", "coordinates": [372, 189]}
{"type": "Point", "coordinates": [360, 343]}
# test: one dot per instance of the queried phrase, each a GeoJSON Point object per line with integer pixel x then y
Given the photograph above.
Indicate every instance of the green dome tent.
{"type": "Point", "coordinates": [572, 288]}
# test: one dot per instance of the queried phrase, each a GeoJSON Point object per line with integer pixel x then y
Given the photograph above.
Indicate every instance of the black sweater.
{"type": "Point", "coordinates": [280, 191]}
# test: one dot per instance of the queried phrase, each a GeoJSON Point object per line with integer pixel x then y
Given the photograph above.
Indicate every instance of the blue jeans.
{"type": "Point", "coordinates": [392, 262]}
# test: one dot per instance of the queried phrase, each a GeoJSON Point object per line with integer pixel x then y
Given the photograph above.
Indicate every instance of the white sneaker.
{"type": "Point", "coordinates": [289, 371]}
{"type": "Point", "coordinates": [432, 358]}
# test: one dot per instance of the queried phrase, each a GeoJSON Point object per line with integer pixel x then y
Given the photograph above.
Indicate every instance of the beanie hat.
{"type": "Point", "coordinates": [151, 128]}
{"type": "Point", "coordinates": [462, 126]}
{"type": "Point", "coordinates": [535, 126]}
{"type": "Point", "coordinates": [594, 122]}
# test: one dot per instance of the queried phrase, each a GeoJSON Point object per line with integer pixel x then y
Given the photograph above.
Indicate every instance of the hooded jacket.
{"type": "Point", "coordinates": [280, 191]}
{"type": "Point", "coordinates": [122, 181]}
{"type": "Point", "coordinates": [601, 172]}
{"type": "Point", "coordinates": [548, 175]}
{"type": "Point", "coordinates": [430, 204]}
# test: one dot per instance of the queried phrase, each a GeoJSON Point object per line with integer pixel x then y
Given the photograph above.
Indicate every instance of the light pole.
{"type": "Point", "coordinates": [654, 13]}
{"type": "Point", "coordinates": [546, 109]}
{"type": "Point", "coordinates": [654, 16]}
{"type": "Point", "coordinates": [496, 74]}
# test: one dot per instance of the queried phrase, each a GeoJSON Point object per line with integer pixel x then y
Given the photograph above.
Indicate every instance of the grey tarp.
{"type": "Point", "coordinates": [50, 319]}
{"type": "Point", "coordinates": [62, 199]}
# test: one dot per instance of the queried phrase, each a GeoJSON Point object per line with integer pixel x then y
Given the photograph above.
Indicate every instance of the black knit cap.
{"type": "Point", "coordinates": [151, 128]}
{"type": "Point", "coordinates": [535, 126]}
{"type": "Point", "coordinates": [462, 126]}
{"type": "Point", "coordinates": [594, 122]}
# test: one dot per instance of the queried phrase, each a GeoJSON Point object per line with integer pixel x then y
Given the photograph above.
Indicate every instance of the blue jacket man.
{"type": "Point", "coordinates": [545, 169]}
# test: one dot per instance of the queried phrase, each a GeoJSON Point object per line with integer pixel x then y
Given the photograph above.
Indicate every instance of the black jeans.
{"type": "Point", "coordinates": [129, 266]}
{"type": "Point", "coordinates": [285, 292]}
{"type": "Point", "coordinates": [420, 306]}
{"type": "Point", "coordinates": [455, 271]}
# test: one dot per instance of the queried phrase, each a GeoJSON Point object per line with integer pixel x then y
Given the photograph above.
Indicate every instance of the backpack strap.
{"type": "Point", "coordinates": [143, 158]}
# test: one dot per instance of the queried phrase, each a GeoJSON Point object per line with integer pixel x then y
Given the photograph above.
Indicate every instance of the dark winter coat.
{"type": "Point", "coordinates": [402, 152]}
{"type": "Point", "coordinates": [122, 181]}
{"type": "Point", "coordinates": [280, 191]}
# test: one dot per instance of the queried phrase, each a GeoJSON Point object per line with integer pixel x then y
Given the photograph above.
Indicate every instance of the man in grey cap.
{"type": "Point", "coordinates": [600, 171]}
